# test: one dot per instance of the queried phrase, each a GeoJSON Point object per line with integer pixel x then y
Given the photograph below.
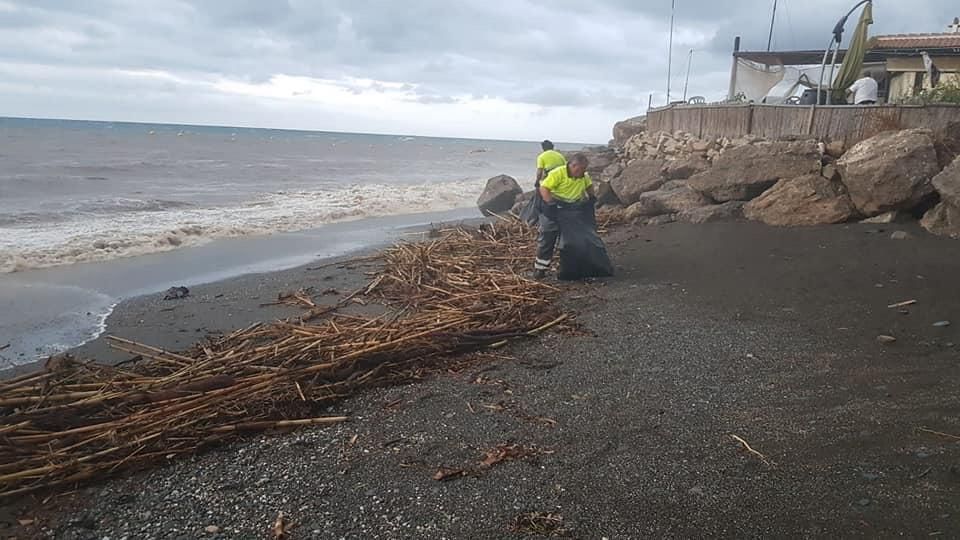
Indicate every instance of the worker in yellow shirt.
{"type": "Point", "coordinates": [568, 187]}
{"type": "Point", "coordinates": [548, 160]}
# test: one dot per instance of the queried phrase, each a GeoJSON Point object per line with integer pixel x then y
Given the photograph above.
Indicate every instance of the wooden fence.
{"type": "Point", "coordinates": [848, 123]}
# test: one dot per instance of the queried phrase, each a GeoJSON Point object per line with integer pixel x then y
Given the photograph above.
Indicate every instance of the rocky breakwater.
{"type": "Point", "coordinates": [656, 178]}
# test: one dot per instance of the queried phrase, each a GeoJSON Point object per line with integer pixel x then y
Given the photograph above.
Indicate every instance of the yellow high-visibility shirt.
{"type": "Point", "coordinates": [550, 160]}
{"type": "Point", "coordinates": [565, 188]}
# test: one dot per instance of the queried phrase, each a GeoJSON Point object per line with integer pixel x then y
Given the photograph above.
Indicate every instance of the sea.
{"type": "Point", "coordinates": [94, 212]}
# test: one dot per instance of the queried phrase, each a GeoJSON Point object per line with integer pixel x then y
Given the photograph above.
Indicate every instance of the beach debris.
{"type": "Point", "coordinates": [941, 324]}
{"type": "Point", "coordinates": [494, 456]}
{"type": "Point", "coordinates": [281, 527]}
{"type": "Point", "coordinates": [4, 347]}
{"type": "Point", "coordinates": [905, 303]}
{"type": "Point", "coordinates": [540, 524]}
{"type": "Point", "coordinates": [300, 297]}
{"type": "Point", "coordinates": [176, 293]}
{"type": "Point", "coordinates": [77, 421]}
{"type": "Point", "coordinates": [900, 235]}
{"type": "Point", "coordinates": [444, 474]}
{"type": "Point", "coordinates": [211, 529]}
{"type": "Point", "coordinates": [938, 433]}
{"type": "Point", "coordinates": [750, 449]}
{"type": "Point", "coordinates": [886, 340]}
{"type": "Point", "coordinates": [509, 452]}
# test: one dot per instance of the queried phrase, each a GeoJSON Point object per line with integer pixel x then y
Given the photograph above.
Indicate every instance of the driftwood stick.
{"type": "Point", "coordinates": [748, 448]}
{"type": "Point", "coordinates": [939, 434]}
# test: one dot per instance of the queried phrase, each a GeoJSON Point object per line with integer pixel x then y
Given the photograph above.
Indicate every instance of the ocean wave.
{"type": "Point", "coordinates": [98, 207]}
{"type": "Point", "coordinates": [97, 236]}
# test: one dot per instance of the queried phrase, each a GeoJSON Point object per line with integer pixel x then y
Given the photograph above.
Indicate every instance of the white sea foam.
{"type": "Point", "coordinates": [92, 237]}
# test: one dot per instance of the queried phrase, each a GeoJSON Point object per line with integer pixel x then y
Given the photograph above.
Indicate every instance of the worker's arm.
{"type": "Point", "coordinates": [546, 195]}
{"type": "Point", "coordinates": [541, 173]}
{"type": "Point", "coordinates": [591, 191]}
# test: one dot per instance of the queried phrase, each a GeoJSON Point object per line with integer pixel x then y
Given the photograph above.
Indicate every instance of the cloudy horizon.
{"type": "Point", "coordinates": [527, 69]}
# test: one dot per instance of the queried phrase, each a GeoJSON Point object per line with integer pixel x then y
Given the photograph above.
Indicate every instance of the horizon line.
{"type": "Point", "coordinates": [202, 125]}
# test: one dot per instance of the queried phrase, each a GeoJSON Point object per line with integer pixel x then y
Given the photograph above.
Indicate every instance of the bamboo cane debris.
{"type": "Point", "coordinates": [462, 291]}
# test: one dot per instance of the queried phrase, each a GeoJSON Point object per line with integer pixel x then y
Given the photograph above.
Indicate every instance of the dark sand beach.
{"type": "Point", "coordinates": [706, 332]}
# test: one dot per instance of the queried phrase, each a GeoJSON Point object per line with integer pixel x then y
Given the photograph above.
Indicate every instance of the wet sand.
{"type": "Point", "coordinates": [706, 332]}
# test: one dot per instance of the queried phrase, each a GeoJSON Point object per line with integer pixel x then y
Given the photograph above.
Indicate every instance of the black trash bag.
{"type": "Point", "coordinates": [582, 253]}
{"type": "Point", "coordinates": [530, 213]}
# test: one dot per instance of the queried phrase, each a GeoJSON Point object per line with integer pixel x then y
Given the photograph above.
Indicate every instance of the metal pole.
{"type": "Point", "coordinates": [686, 80]}
{"type": "Point", "coordinates": [733, 69]}
{"type": "Point", "coordinates": [833, 64]}
{"type": "Point", "coordinates": [823, 69]}
{"type": "Point", "coordinates": [773, 18]}
{"type": "Point", "coordinates": [673, 5]}
{"type": "Point", "coordinates": [838, 38]}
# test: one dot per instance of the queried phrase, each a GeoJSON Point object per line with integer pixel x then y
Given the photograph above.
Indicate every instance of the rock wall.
{"type": "Point", "coordinates": [657, 177]}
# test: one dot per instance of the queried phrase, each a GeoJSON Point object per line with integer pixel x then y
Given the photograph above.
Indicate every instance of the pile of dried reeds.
{"type": "Point", "coordinates": [461, 291]}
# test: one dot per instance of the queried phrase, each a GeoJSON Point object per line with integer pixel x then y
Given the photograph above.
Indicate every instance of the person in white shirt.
{"type": "Point", "coordinates": [864, 90]}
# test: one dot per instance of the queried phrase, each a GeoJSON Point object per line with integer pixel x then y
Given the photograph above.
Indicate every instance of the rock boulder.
{"type": "Point", "coordinates": [639, 177]}
{"type": "Point", "coordinates": [499, 195]}
{"type": "Point", "coordinates": [612, 171]}
{"type": "Point", "coordinates": [684, 168]}
{"type": "Point", "coordinates": [806, 200]}
{"type": "Point", "coordinates": [947, 183]}
{"type": "Point", "coordinates": [624, 129]}
{"type": "Point", "coordinates": [728, 211]}
{"type": "Point", "coordinates": [946, 140]}
{"type": "Point", "coordinates": [605, 194]}
{"type": "Point", "coordinates": [744, 172]}
{"type": "Point", "coordinates": [943, 220]}
{"type": "Point", "coordinates": [668, 200]}
{"type": "Point", "coordinates": [890, 171]}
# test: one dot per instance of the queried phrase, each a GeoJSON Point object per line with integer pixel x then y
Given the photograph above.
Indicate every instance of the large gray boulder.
{"type": "Point", "coordinates": [612, 171]}
{"type": "Point", "coordinates": [744, 172]}
{"type": "Point", "coordinates": [605, 194]}
{"type": "Point", "coordinates": [624, 129]}
{"type": "Point", "coordinates": [943, 220]}
{"type": "Point", "coordinates": [947, 183]}
{"type": "Point", "coordinates": [806, 200]}
{"type": "Point", "coordinates": [639, 177]}
{"type": "Point", "coordinates": [672, 199]}
{"type": "Point", "coordinates": [499, 195]}
{"type": "Point", "coordinates": [728, 211]}
{"type": "Point", "coordinates": [946, 140]}
{"type": "Point", "coordinates": [684, 168]}
{"type": "Point", "coordinates": [890, 171]}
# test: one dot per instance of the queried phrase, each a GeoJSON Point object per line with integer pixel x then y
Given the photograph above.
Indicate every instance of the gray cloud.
{"type": "Point", "coordinates": [606, 54]}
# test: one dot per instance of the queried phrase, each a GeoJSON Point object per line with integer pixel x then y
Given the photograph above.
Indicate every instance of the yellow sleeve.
{"type": "Point", "coordinates": [551, 181]}
{"type": "Point", "coordinates": [541, 162]}
{"type": "Point", "coordinates": [588, 181]}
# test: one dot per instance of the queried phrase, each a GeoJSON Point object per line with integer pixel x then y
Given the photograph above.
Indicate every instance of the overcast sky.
{"type": "Point", "coordinates": [509, 69]}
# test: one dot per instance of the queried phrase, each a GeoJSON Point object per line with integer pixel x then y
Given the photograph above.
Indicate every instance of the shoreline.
{"type": "Point", "coordinates": [72, 301]}
{"type": "Point", "coordinates": [705, 331]}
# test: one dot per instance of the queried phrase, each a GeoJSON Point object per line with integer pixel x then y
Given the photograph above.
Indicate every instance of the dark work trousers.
{"type": "Point", "coordinates": [546, 242]}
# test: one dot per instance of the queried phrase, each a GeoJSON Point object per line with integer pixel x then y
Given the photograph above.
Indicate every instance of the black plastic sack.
{"type": "Point", "coordinates": [582, 253]}
{"type": "Point", "coordinates": [530, 213]}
